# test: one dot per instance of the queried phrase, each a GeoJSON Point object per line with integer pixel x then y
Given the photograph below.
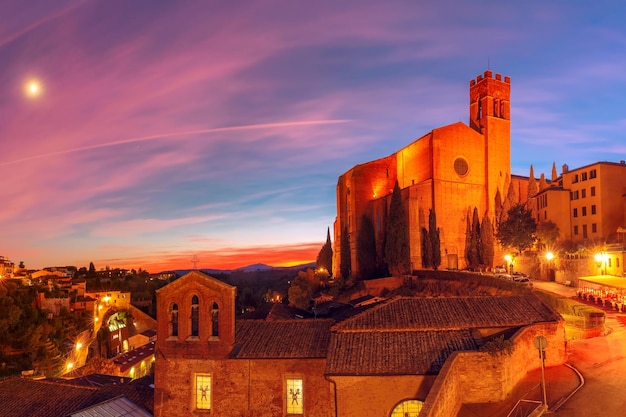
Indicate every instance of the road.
{"type": "Point", "coordinates": [602, 363]}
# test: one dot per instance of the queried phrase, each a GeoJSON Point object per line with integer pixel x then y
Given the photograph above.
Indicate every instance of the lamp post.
{"type": "Point", "coordinates": [601, 259]}
{"type": "Point", "coordinates": [541, 343]}
{"type": "Point", "coordinates": [509, 261]}
{"type": "Point", "coordinates": [549, 258]}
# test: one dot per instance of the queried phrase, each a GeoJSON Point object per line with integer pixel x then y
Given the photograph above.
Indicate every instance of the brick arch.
{"type": "Point", "coordinates": [173, 317]}
{"type": "Point", "coordinates": [214, 308]}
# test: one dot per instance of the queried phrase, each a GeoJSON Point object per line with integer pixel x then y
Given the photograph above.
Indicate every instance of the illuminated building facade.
{"type": "Point", "coordinates": [451, 170]}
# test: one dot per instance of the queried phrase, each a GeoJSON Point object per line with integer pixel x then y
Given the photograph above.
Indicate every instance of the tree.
{"type": "Point", "coordinates": [325, 256]}
{"type": "Point", "coordinates": [474, 251]}
{"type": "Point", "coordinates": [487, 242]}
{"type": "Point", "coordinates": [366, 249]}
{"type": "Point", "coordinates": [300, 292]}
{"type": "Point", "coordinates": [548, 232]}
{"type": "Point", "coordinates": [435, 242]}
{"type": "Point", "coordinates": [397, 253]}
{"type": "Point", "coordinates": [427, 248]}
{"type": "Point", "coordinates": [518, 230]}
{"type": "Point", "coordinates": [345, 263]}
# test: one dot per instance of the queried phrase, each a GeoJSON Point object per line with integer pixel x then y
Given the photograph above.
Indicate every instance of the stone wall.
{"type": "Point", "coordinates": [477, 377]}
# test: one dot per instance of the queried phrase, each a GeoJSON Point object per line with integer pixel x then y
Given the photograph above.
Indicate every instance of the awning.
{"type": "Point", "coordinates": [608, 280]}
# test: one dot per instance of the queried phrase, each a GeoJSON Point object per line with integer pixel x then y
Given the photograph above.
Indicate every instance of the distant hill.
{"type": "Point", "coordinates": [244, 269]}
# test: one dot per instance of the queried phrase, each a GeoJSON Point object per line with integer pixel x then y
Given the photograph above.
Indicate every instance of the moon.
{"type": "Point", "coordinates": [33, 88]}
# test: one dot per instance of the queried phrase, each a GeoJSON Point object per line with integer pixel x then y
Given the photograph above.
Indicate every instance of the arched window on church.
{"type": "Point", "coordinates": [215, 328]}
{"type": "Point", "coordinates": [480, 109]}
{"type": "Point", "coordinates": [195, 316]}
{"type": "Point", "coordinates": [174, 320]}
{"type": "Point", "coordinates": [407, 408]}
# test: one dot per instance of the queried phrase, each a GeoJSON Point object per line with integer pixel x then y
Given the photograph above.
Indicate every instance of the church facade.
{"type": "Point", "coordinates": [451, 170]}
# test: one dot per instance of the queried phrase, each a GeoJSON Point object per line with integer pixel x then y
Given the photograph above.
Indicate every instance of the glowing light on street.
{"type": "Point", "coordinates": [549, 256]}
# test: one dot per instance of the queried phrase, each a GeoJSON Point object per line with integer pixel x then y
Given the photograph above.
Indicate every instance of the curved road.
{"type": "Point", "coordinates": [601, 361]}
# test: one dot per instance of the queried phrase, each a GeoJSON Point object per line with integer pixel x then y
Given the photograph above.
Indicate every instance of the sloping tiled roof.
{"type": "Point", "coordinates": [54, 399]}
{"type": "Point", "coordinates": [394, 353]}
{"type": "Point", "coordinates": [281, 339]}
{"type": "Point", "coordinates": [119, 406]}
{"type": "Point", "coordinates": [451, 313]}
{"type": "Point", "coordinates": [135, 356]}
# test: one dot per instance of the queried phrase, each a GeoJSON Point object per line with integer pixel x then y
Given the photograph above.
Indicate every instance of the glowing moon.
{"type": "Point", "coordinates": [33, 88]}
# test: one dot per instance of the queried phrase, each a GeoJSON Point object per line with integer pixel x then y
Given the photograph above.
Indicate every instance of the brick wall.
{"type": "Point", "coordinates": [243, 387]}
{"type": "Point", "coordinates": [476, 377]}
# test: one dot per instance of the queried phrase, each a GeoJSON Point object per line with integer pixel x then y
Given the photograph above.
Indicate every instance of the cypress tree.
{"type": "Point", "coordinates": [325, 256]}
{"type": "Point", "coordinates": [345, 263]}
{"type": "Point", "coordinates": [433, 232]}
{"type": "Point", "coordinates": [397, 254]}
{"type": "Point", "coordinates": [474, 254]}
{"type": "Point", "coordinates": [487, 241]}
{"type": "Point", "coordinates": [366, 249]}
{"type": "Point", "coordinates": [427, 249]}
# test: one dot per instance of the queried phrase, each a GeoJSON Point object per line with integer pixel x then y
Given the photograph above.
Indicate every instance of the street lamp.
{"type": "Point", "coordinates": [601, 260]}
{"type": "Point", "coordinates": [509, 261]}
{"type": "Point", "coordinates": [549, 258]}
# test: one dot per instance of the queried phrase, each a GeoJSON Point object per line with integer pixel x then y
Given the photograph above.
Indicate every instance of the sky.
{"type": "Point", "coordinates": [164, 131]}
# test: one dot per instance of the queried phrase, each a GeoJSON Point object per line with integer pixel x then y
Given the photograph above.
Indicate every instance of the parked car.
{"type": "Point", "coordinates": [500, 269]}
{"type": "Point", "coordinates": [505, 276]}
{"type": "Point", "coordinates": [519, 276]}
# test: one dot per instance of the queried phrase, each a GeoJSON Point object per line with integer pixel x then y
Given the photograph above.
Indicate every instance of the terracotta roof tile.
{"type": "Point", "coordinates": [281, 339]}
{"type": "Point", "coordinates": [451, 313]}
{"type": "Point", "coordinates": [55, 399]}
{"type": "Point", "coordinates": [394, 353]}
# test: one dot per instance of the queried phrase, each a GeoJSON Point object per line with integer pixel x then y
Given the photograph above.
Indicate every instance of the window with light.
{"type": "Point", "coordinates": [408, 408]}
{"type": "Point", "coordinates": [203, 392]}
{"type": "Point", "coordinates": [294, 398]}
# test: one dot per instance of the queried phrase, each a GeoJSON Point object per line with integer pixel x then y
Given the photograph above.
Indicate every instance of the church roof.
{"type": "Point", "coordinates": [282, 339]}
{"type": "Point", "coordinates": [451, 313]}
{"type": "Point", "coordinates": [54, 399]}
{"type": "Point", "coordinates": [393, 352]}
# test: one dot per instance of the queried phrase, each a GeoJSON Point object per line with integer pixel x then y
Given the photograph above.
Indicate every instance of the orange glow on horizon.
{"type": "Point", "coordinates": [225, 258]}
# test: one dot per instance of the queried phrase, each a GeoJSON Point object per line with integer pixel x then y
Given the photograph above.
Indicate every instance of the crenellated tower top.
{"type": "Point", "coordinates": [489, 97]}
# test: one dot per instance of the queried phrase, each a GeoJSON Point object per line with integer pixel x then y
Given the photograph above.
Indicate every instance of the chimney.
{"type": "Point", "coordinates": [564, 169]}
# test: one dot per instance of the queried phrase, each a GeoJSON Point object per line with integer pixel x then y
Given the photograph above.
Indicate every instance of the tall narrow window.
{"type": "Point", "coordinates": [295, 396]}
{"type": "Point", "coordinates": [584, 231]}
{"type": "Point", "coordinates": [174, 320]}
{"type": "Point", "coordinates": [203, 392]}
{"type": "Point", "coordinates": [593, 191]}
{"type": "Point", "coordinates": [593, 209]}
{"type": "Point", "coordinates": [215, 322]}
{"type": "Point", "coordinates": [195, 316]}
{"type": "Point", "coordinates": [584, 210]}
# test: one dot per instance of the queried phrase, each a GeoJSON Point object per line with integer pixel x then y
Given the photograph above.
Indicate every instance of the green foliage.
{"type": "Point", "coordinates": [473, 252]}
{"type": "Point", "coordinates": [548, 232]}
{"type": "Point", "coordinates": [345, 261]}
{"type": "Point", "coordinates": [325, 256]}
{"type": "Point", "coordinates": [397, 253]}
{"type": "Point", "coordinates": [498, 346]}
{"type": "Point", "coordinates": [486, 242]}
{"type": "Point", "coordinates": [366, 249]}
{"type": "Point", "coordinates": [518, 230]}
{"type": "Point", "coordinates": [435, 242]}
{"type": "Point", "coordinates": [300, 293]}
{"type": "Point", "coordinates": [427, 248]}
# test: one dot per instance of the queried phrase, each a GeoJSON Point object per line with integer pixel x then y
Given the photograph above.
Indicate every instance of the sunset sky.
{"type": "Point", "coordinates": [159, 129]}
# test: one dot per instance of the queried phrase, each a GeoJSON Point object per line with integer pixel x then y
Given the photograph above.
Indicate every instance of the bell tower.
{"type": "Point", "coordinates": [490, 114]}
